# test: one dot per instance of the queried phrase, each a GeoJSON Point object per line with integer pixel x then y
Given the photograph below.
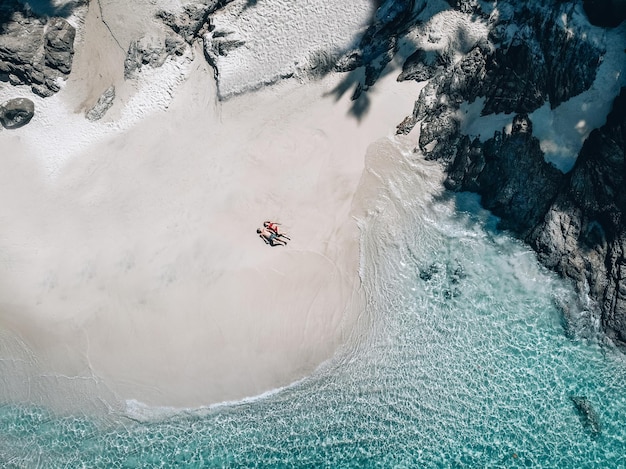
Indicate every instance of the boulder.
{"type": "Point", "coordinates": [102, 106]}
{"type": "Point", "coordinates": [59, 45]}
{"type": "Point", "coordinates": [16, 112]}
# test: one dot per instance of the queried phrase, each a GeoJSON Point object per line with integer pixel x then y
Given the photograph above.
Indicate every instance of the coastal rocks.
{"type": "Point", "coordinates": [34, 50]}
{"type": "Point", "coordinates": [574, 222]}
{"type": "Point", "coordinates": [542, 62]}
{"type": "Point", "coordinates": [16, 113]}
{"type": "Point", "coordinates": [195, 23]}
{"type": "Point", "coordinates": [102, 106]}
{"type": "Point", "coordinates": [510, 174]}
{"type": "Point", "coordinates": [59, 45]}
{"type": "Point", "coordinates": [152, 53]}
{"type": "Point", "coordinates": [422, 65]}
{"type": "Point", "coordinates": [534, 54]}
{"type": "Point", "coordinates": [527, 59]}
{"type": "Point", "coordinates": [583, 234]}
{"type": "Point", "coordinates": [194, 20]}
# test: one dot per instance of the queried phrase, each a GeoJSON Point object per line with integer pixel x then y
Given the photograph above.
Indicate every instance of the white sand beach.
{"type": "Point", "coordinates": [129, 257]}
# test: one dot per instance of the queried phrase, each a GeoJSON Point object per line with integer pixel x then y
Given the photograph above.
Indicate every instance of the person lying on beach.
{"type": "Point", "coordinates": [275, 228]}
{"type": "Point", "coordinates": [270, 237]}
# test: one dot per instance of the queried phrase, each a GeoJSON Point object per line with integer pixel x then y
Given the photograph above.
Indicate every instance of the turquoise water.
{"type": "Point", "coordinates": [469, 362]}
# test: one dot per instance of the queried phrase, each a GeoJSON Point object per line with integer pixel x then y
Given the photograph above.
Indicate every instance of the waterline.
{"type": "Point", "coordinates": [466, 363]}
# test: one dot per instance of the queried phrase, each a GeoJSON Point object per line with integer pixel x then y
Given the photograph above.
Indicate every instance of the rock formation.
{"type": "Point", "coordinates": [105, 101]}
{"type": "Point", "coordinates": [511, 175]}
{"type": "Point", "coordinates": [195, 24]}
{"type": "Point", "coordinates": [152, 53]}
{"type": "Point", "coordinates": [34, 50]}
{"type": "Point", "coordinates": [573, 221]}
{"type": "Point", "coordinates": [535, 53]}
{"type": "Point", "coordinates": [16, 112]}
{"type": "Point", "coordinates": [583, 233]}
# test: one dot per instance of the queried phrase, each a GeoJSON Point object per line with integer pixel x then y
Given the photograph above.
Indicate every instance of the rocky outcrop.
{"type": "Point", "coordinates": [34, 50]}
{"type": "Point", "coordinates": [510, 174]}
{"type": "Point", "coordinates": [535, 53]}
{"type": "Point", "coordinates": [105, 101]}
{"type": "Point", "coordinates": [575, 222]}
{"type": "Point", "coordinates": [151, 53]}
{"type": "Point", "coordinates": [16, 113]}
{"type": "Point", "coordinates": [583, 233]}
{"type": "Point", "coordinates": [514, 72]}
{"type": "Point", "coordinates": [194, 23]}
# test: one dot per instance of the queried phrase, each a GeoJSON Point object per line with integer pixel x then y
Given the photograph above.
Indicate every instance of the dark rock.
{"type": "Point", "coordinates": [151, 53]}
{"type": "Point", "coordinates": [34, 50]}
{"type": "Point", "coordinates": [59, 45]}
{"type": "Point", "coordinates": [510, 174]}
{"type": "Point", "coordinates": [421, 66]}
{"type": "Point", "coordinates": [16, 112]}
{"type": "Point", "coordinates": [102, 106]}
{"type": "Point", "coordinates": [575, 222]}
{"type": "Point", "coordinates": [427, 273]}
{"type": "Point", "coordinates": [583, 233]}
{"type": "Point", "coordinates": [587, 414]}
{"type": "Point", "coordinates": [606, 13]}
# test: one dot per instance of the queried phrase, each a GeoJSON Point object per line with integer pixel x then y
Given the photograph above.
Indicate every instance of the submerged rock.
{"type": "Point", "coordinates": [587, 414]}
{"type": "Point", "coordinates": [16, 112]}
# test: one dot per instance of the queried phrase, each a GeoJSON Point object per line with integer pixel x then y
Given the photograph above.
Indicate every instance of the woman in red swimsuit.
{"type": "Point", "coordinates": [274, 227]}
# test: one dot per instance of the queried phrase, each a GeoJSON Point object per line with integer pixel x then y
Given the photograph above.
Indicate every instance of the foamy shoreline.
{"type": "Point", "coordinates": [131, 262]}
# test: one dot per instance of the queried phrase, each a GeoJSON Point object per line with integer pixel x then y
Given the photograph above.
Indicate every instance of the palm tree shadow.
{"type": "Point", "coordinates": [375, 54]}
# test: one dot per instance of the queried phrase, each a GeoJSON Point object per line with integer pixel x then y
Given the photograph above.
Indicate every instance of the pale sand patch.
{"type": "Point", "coordinates": [98, 61]}
{"type": "Point", "coordinates": [137, 266]}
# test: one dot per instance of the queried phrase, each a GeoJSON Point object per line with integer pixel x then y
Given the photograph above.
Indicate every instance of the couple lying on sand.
{"type": "Point", "coordinates": [271, 233]}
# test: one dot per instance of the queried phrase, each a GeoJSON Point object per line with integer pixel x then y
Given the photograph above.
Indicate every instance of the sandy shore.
{"type": "Point", "coordinates": [134, 266]}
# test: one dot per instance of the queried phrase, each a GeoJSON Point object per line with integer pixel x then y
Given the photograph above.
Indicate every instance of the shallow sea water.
{"type": "Point", "coordinates": [468, 362]}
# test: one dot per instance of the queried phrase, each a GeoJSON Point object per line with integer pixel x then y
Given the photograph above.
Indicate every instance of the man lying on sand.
{"type": "Point", "coordinates": [270, 237]}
